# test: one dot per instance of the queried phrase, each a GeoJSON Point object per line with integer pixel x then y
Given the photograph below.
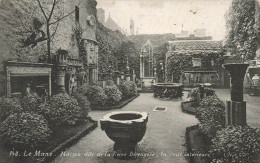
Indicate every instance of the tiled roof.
{"type": "Point", "coordinates": [195, 45]}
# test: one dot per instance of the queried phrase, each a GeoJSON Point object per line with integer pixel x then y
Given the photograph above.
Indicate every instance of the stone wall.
{"type": "Point", "coordinates": [12, 19]}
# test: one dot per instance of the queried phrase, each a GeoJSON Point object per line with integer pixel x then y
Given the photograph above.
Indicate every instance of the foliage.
{"type": "Point", "coordinates": [128, 89]}
{"type": "Point", "coordinates": [30, 102]}
{"type": "Point", "coordinates": [81, 44]}
{"type": "Point", "coordinates": [9, 106]}
{"type": "Point", "coordinates": [83, 103]}
{"type": "Point", "coordinates": [110, 83]}
{"type": "Point", "coordinates": [113, 95]}
{"type": "Point", "coordinates": [194, 94]}
{"type": "Point", "coordinates": [108, 42]}
{"type": "Point", "coordinates": [99, 97]}
{"type": "Point", "coordinates": [209, 92]}
{"type": "Point", "coordinates": [159, 55]}
{"type": "Point", "coordinates": [235, 144]}
{"type": "Point", "coordinates": [241, 33]}
{"type": "Point", "coordinates": [95, 94]}
{"type": "Point", "coordinates": [211, 115]}
{"type": "Point", "coordinates": [25, 131]}
{"type": "Point", "coordinates": [62, 109]}
{"type": "Point", "coordinates": [178, 62]}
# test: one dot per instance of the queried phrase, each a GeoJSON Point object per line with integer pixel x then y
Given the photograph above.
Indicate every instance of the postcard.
{"type": "Point", "coordinates": [105, 81]}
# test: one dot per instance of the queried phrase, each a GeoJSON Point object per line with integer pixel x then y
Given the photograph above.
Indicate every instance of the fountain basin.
{"type": "Point", "coordinates": [168, 90]}
{"type": "Point", "coordinates": [126, 129]}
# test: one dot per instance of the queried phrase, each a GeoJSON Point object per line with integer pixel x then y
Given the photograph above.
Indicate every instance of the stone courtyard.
{"type": "Point", "coordinates": [109, 81]}
{"type": "Point", "coordinates": [164, 136]}
{"type": "Point", "coordinates": [165, 133]}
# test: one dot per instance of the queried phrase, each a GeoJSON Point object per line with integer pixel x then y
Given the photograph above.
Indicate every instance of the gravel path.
{"type": "Point", "coordinates": [165, 135]}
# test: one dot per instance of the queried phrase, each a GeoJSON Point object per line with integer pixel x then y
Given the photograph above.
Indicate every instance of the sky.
{"type": "Point", "coordinates": [169, 16]}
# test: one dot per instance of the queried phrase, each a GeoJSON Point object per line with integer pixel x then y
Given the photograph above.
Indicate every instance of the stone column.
{"type": "Point", "coordinates": [127, 77]}
{"type": "Point", "coordinates": [50, 84]}
{"type": "Point", "coordinates": [8, 84]}
{"type": "Point", "coordinates": [134, 76]}
{"type": "Point", "coordinates": [61, 60]}
{"type": "Point", "coordinates": [236, 108]}
{"type": "Point", "coordinates": [118, 77]}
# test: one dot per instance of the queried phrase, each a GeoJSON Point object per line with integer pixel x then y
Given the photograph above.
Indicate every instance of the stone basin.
{"type": "Point", "coordinates": [126, 129]}
{"type": "Point", "coordinates": [168, 90]}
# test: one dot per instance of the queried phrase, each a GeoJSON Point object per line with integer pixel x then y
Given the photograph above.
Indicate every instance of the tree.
{"type": "Point", "coordinates": [52, 19]}
{"type": "Point", "coordinates": [17, 29]}
{"type": "Point", "coordinates": [26, 25]}
{"type": "Point", "coordinates": [241, 33]}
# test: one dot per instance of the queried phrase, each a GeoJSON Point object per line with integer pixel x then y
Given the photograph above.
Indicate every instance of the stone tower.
{"type": "Point", "coordinates": [132, 27]}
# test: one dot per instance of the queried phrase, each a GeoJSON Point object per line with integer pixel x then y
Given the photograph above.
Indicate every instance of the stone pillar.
{"type": "Point", "coordinates": [127, 77]}
{"type": "Point", "coordinates": [103, 84]}
{"type": "Point", "coordinates": [134, 76]}
{"type": "Point", "coordinates": [50, 84]}
{"type": "Point", "coordinates": [8, 84]}
{"type": "Point", "coordinates": [236, 108]}
{"type": "Point", "coordinates": [141, 66]}
{"type": "Point", "coordinates": [61, 60]}
{"type": "Point", "coordinates": [118, 79]}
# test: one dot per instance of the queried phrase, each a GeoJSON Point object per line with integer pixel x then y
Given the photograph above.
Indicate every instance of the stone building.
{"type": "Point", "coordinates": [200, 70]}
{"type": "Point", "coordinates": [200, 32]}
{"type": "Point", "coordinates": [101, 15]}
{"type": "Point", "coordinates": [111, 24]}
{"type": "Point", "coordinates": [67, 69]}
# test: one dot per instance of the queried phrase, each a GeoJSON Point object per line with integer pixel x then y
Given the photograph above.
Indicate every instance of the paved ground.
{"type": "Point", "coordinates": [165, 133]}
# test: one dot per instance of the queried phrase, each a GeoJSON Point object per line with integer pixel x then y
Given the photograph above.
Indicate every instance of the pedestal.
{"type": "Point", "coordinates": [61, 60]}
{"type": "Point", "coordinates": [235, 113]}
{"type": "Point", "coordinates": [127, 78]}
{"type": "Point", "coordinates": [134, 78]}
{"type": "Point", "coordinates": [118, 80]}
{"type": "Point", "coordinates": [103, 84]}
{"type": "Point", "coordinates": [236, 108]}
{"type": "Point", "coordinates": [237, 73]}
{"type": "Point", "coordinates": [123, 151]}
{"type": "Point", "coordinates": [60, 78]}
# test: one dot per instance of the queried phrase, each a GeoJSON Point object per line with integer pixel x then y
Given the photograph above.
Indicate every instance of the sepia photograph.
{"type": "Point", "coordinates": [129, 81]}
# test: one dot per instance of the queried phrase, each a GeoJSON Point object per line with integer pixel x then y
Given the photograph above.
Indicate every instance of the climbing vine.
{"type": "Point", "coordinates": [81, 46]}
{"type": "Point", "coordinates": [182, 61]}
{"type": "Point", "coordinates": [241, 34]}
{"type": "Point", "coordinates": [127, 49]}
{"type": "Point", "coordinates": [108, 42]}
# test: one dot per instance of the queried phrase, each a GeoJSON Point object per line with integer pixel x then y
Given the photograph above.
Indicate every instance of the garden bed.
{"type": "Point", "coordinates": [61, 139]}
{"type": "Point", "coordinates": [197, 145]}
{"type": "Point", "coordinates": [187, 107]}
{"type": "Point", "coordinates": [118, 106]}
